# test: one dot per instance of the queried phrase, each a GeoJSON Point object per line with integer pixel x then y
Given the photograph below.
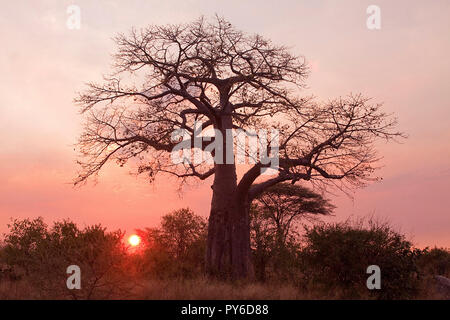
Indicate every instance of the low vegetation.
{"type": "Point", "coordinates": [291, 260]}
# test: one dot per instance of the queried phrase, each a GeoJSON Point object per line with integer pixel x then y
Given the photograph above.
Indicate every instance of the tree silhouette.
{"type": "Point", "coordinates": [167, 78]}
{"type": "Point", "coordinates": [273, 218]}
{"type": "Point", "coordinates": [284, 203]}
{"type": "Point", "coordinates": [44, 253]}
{"type": "Point", "coordinates": [177, 247]}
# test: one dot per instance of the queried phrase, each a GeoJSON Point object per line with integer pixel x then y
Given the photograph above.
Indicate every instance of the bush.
{"type": "Point", "coordinates": [434, 261]}
{"type": "Point", "coordinates": [330, 261]}
{"type": "Point", "coordinates": [336, 256]}
{"type": "Point", "coordinates": [43, 255]}
{"type": "Point", "coordinates": [177, 247]}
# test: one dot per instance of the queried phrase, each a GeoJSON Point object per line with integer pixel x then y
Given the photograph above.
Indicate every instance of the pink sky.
{"type": "Point", "coordinates": [405, 65]}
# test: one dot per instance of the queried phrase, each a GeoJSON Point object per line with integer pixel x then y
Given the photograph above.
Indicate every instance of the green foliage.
{"type": "Point", "coordinates": [23, 243]}
{"type": "Point", "coordinates": [434, 261]}
{"type": "Point", "coordinates": [43, 254]}
{"type": "Point", "coordinates": [272, 258]}
{"type": "Point", "coordinates": [177, 248]}
{"type": "Point", "coordinates": [336, 256]}
{"type": "Point", "coordinates": [329, 261]}
{"type": "Point", "coordinates": [274, 219]}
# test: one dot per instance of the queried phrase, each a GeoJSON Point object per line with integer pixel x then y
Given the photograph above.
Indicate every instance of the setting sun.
{"type": "Point", "coordinates": [134, 240]}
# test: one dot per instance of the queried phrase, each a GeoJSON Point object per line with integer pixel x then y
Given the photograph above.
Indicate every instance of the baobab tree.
{"type": "Point", "coordinates": [167, 78]}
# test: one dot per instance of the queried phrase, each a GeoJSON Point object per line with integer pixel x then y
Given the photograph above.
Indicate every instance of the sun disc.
{"type": "Point", "coordinates": [134, 240]}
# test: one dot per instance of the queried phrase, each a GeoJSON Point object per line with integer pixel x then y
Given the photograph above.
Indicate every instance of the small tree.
{"type": "Point", "coordinates": [23, 243]}
{"type": "Point", "coordinates": [178, 246]}
{"type": "Point", "coordinates": [181, 229]}
{"type": "Point", "coordinates": [274, 217]}
{"type": "Point", "coordinates": [285, 204]}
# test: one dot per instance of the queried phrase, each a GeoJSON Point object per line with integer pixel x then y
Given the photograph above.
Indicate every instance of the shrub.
{"type": "Point", "coordinates": [434, 261]}
{"type": "Point", "coordinates": [44, 254]}
{"type": "Point", "coordinates": [177, 247]}
{"type": "Point", "coordinates": [336, 256]}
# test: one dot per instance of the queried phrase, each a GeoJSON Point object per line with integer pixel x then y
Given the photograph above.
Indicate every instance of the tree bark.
{"type": "Point", "coordinates": [228, 247]}
{"type": "Point", "coordinates": [228, 243]}
{"type": "Point", "coordinates": [218, 253]}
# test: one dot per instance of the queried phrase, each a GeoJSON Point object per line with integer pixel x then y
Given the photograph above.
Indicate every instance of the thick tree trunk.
{"type": "Point", "coordinates": [228, 247]}
{"type": "Point", "coordinates": [241, 253]}
{"type": "Point", "coordinates": [218, 252]}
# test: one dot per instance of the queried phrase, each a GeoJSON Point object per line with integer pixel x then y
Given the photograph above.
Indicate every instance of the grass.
{"type": "Point", "coordinates": [207, 289]}
{"type": "Point", "coordinates": [201, 288]}
{"type": "Point", "coordinates": [173, 289]}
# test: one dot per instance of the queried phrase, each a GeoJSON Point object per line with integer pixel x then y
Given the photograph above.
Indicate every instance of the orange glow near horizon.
{"type": "Point", "coordinates": [134, 240]}
{"type": "Point", "coordinates": [40, 123]}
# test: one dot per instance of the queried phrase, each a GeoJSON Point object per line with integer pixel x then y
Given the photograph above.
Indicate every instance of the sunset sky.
{"type": "Point", "coordinates": [405, 64]}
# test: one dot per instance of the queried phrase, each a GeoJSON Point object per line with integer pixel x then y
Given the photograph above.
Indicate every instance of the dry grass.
{"type": "Point", "coordinates": [207, 289]}
{"type": "Point", "coordinates": [199, 289]}
{"type": "Point", "coordinates": [17, 290]}
{"type": "Point", "coordinates": [173, 289]}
